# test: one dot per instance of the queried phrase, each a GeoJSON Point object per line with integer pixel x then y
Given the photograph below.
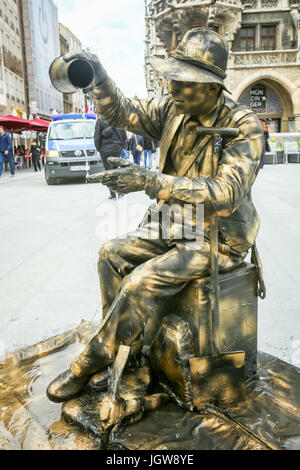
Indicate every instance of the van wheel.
{"type": "Point", "coordinates": [50, 181]}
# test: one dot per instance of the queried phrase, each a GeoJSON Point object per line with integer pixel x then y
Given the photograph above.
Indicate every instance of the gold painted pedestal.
{"type": "Point", "coordinates": [238, 313]}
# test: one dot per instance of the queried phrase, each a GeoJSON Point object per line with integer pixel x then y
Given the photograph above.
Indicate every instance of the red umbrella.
{"type": "Point", "coordinates": [39, 124]}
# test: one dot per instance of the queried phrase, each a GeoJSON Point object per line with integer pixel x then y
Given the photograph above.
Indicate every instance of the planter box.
{"type": "Point", "coordinates": [269, 158]}
{"type": "Point", "coordinates": [280, 156]}
{"type": "Point", "coordinates": [293, 158]}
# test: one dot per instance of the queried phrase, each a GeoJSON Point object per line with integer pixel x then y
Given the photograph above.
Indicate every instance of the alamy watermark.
{"type": "Point", "coordinates": [180, 222]}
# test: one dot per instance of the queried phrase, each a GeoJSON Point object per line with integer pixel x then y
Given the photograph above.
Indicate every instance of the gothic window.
{"type": "Point", "coordinates": [268, 37]}
{"type": "Point", "coordinates": [247, 37]}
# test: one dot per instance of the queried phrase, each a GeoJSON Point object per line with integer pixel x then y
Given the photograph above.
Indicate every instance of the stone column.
{"type": "Point", "coordinates": [297, 122]}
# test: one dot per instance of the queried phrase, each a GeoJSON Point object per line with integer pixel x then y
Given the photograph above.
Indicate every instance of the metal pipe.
{"type": "Point", "coordinates": [228, 131]}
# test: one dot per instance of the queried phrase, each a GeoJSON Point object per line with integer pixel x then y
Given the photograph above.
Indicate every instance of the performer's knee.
{"type": "Point", "coordinates": [104, 254]}
{"type": "Point", "coordinates": [131, 284]}
{"type": "Point", "coordinates": [105, 250]}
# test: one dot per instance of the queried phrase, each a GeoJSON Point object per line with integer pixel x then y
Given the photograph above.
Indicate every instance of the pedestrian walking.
{"type": "Point", "coordinates": [43, 152]}
{"type": "Point", "coordinates": [109, 142]}
{"type": "Point", "coordinates": [266, 141]}
{"type": "Point", "coordinates": [148, 149]}
{"type": "Point", "coordinates": [155, 155]}
{"type": "Point", "coordinates": [6, 151]}
{"type": "Point", "coordinates": [35, 153]}
{"type": "Point", "coordinates": [125, 154]}
{"type": "Point", "coordinates": [136, 146]}
{"type": "Point", "coordinates": [125, 151]}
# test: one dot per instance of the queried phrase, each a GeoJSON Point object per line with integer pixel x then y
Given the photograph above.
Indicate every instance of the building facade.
{"type": "Point", "coordinates": [74, 103]}
{"type": "Point", "coordinates": [42, 46]}
{"type": "Point", "coordinates": [12, 67]}
{"type": "Point", "coordinates": [264, 43]}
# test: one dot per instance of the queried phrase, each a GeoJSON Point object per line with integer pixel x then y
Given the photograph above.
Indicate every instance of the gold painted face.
{"type": "Point", "coordinates": [193, 98]}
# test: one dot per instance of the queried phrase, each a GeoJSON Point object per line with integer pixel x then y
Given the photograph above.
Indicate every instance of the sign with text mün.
{"type": "Point", "coordinates": [258, 98]}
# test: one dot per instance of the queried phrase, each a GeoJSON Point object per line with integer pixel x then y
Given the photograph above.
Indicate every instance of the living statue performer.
{"type": "Point", "coordinates": [139, 275]}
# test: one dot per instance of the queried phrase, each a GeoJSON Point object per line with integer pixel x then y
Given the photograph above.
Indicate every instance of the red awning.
{"type": "Point", "coordinates": [15, 124]}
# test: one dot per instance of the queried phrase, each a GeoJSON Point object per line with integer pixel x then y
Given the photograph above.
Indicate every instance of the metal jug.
{"type": "Point", "coordinates": [68, 77]}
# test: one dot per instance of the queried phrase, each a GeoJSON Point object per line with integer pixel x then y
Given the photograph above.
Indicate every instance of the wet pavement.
{"type": "Point", "coordinates": [268, 418]}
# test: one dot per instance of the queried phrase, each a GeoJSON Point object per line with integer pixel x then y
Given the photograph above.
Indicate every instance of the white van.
{"type": "Point", "coordinates": [70, 148]}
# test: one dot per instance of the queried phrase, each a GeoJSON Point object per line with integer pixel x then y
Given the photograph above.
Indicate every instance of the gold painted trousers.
{"type": "Point", "coordinates": [138, 278]}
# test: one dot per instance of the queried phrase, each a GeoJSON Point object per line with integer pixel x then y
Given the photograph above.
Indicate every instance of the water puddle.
{"type": "Point", "coordinates": [28, 420]}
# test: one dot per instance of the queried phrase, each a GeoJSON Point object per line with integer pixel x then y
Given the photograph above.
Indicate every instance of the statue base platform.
{"type": "Point", "coordinates": [267, 418]}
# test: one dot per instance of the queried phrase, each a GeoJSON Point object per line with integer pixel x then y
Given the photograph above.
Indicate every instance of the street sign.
{"type": "Point", "coordinates": [258, 98]}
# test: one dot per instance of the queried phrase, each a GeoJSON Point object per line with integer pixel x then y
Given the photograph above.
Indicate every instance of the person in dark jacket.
{"type": "Point", "coordinates": [6, 151]}
{"type": "Point", "coordinates": [136, 145]}
{"type": "Point", "coordinates": [109, 142]}
{"type": "Point", "coordinates": [35, 152]}
{"type": "Point", "coordinates": [148, 149]}
{"type": "Point", "coordinates": [266, 141]}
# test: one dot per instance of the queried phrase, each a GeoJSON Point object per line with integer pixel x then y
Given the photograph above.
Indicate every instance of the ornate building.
{"type": "Point", "coordinates": [13, 99]}
{"type": "Point", "coordinates": [264, 42]}
{"type": "Point", "coordinates": [74, 103]}
{"type": "Point", "coordinates": [41, 47]}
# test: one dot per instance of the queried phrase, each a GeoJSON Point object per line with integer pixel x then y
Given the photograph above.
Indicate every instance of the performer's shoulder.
{"type": "Point", "coordinates": [238, 110]}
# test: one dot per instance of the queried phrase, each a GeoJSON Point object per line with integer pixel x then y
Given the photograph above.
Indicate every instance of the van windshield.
{"type": "Point", "coordinates": [72, 130]}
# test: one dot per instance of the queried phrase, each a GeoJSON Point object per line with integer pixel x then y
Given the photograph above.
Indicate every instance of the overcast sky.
{"type": "Point", "coordinates": [115, 30]}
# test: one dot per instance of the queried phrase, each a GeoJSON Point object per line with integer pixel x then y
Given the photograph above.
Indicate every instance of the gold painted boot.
{"type": "Point", "coordinates": [66, 386]}
{"type": "Point", "coordinates": [99, 381]}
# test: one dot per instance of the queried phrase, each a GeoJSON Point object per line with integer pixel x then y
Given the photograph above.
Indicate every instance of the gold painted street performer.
{"type": "Point", "coordinates": [139, 274]}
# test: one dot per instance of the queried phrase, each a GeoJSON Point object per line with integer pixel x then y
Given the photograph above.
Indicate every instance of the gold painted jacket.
{"type": "Point", "coordinates": [218, 176]}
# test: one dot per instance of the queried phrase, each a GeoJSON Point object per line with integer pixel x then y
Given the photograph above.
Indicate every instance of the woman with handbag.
{"type": "Point", "coordinates": [136, 145]}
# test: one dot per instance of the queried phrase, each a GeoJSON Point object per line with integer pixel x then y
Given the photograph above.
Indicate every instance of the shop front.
{"type": "Point", "coordinates": [265, 102]}
{"type": "Point", "coordinates": [271, 101]}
